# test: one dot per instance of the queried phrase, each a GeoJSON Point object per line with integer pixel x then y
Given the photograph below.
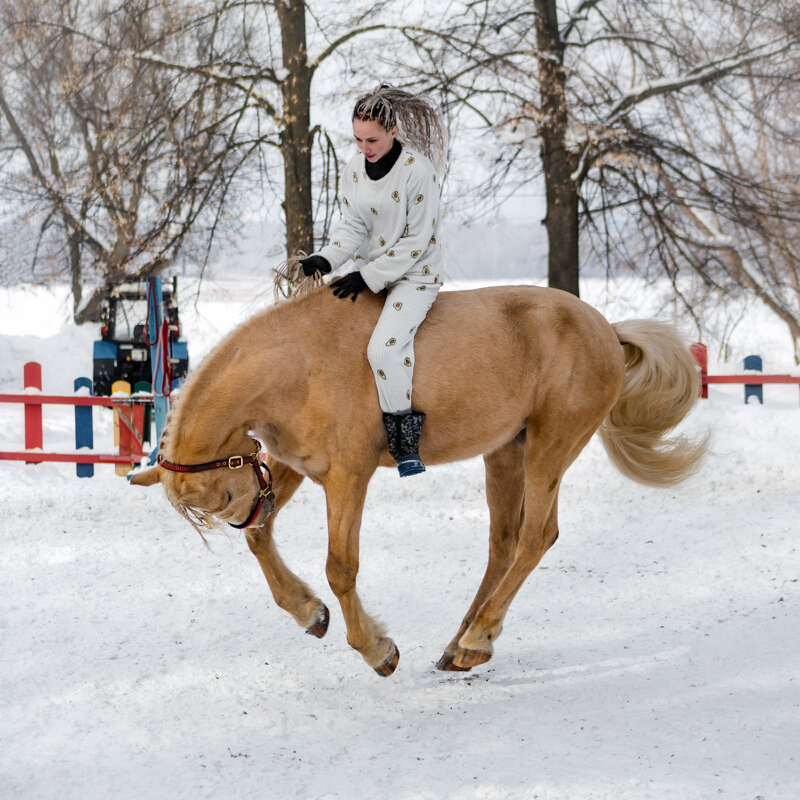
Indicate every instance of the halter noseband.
{"type": "Point", "coordinates": [234, 462]}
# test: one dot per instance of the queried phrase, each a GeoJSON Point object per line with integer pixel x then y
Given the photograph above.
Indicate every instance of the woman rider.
{"type": "Point", "coordinates": [390, 218]}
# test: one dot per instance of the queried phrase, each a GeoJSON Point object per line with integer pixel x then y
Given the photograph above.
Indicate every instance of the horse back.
{"type": "Point", "coordinates": [488, 360]}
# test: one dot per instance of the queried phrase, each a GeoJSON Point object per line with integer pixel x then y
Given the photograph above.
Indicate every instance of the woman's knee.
{"type": "Point", "coordinates": [373, 354]}
{"type": "Point", "coordinates": [379, 351]}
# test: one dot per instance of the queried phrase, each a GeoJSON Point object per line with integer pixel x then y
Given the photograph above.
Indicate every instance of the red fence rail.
{"type": "Point", "coordinates": [77, 400]}
{"type": "Point", "coordinates": [130, 413]}
{"type": "Point", "coordinates": [700, 353]}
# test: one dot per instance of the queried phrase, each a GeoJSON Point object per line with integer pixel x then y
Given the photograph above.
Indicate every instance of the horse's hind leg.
{"type": "Point", "coordinates": [504, 493]}
{"type": "Point", "coordinates": [548, 453]}
{"type": "Point", "coordinates": [290, 593]}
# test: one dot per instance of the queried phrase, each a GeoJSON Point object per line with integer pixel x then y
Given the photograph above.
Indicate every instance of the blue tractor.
{"type": "Point", "coordinates": [123, 351]}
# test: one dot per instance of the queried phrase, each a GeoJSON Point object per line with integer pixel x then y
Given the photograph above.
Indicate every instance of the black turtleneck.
{"type": "Point", "coordinates": [382, 166]}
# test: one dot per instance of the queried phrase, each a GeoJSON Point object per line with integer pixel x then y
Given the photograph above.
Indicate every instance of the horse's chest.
{"type": "Point", "coordinates": [290, 453]}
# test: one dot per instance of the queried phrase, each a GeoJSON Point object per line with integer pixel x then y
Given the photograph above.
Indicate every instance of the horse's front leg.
{"type": "Point", "coordinates": [345, 491]}
{"type": "Point", "coordinates": [290, 593]}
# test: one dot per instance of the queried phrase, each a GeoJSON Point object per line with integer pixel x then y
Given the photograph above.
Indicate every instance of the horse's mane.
{"type": "Point", "coordinates": [290, 280]}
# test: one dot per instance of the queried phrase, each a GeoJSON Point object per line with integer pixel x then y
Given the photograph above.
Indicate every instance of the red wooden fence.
{"type": "Point", "coordinates": [131, 423]}
{"type": "Point", "coordinates": [700, 353]}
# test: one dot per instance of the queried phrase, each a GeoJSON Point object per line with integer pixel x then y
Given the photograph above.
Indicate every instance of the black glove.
{"type": "Point", "coordinates": [314, 264]}
{"type": "Point", "coordinates": [350, 284]}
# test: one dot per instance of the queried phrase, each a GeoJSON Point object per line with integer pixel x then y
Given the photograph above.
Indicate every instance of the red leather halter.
{"type": "Point", "coordinates": [234, 462]}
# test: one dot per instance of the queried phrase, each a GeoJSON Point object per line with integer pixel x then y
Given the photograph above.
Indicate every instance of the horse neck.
{"type": "Point", "coordinates": [255, 379]}
{"type": "Point", "coordinates": [224, 400]}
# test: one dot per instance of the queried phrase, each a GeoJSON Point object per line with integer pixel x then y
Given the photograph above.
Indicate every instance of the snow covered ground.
{"type": "Point", "coordinates": [654, 654]}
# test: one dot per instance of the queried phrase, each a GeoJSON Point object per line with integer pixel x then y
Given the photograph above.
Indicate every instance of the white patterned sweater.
{"type": "Point", "coordinates": [389, 226]}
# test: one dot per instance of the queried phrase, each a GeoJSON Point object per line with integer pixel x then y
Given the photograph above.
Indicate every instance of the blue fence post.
{"type": "Point", "coordinates": [155, 319]}
{"type": "Point", "coordinates": [753, 389]}
{"type": "Point", "coordinates": [84, 434]}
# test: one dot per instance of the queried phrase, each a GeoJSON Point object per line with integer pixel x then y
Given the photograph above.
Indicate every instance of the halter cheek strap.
{"type": "Point", "coordinates": [234, 462]}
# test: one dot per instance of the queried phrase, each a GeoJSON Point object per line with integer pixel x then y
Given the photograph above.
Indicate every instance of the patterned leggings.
{"type": "Point", "coordinates": [391, 348]}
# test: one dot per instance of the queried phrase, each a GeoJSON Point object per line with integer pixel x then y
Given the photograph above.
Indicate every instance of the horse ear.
{"type": "Point", "coordinates": [146, 477]}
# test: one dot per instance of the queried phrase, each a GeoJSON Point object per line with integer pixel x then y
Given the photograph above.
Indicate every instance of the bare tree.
{"type": "Point", "coordinates": [123, 158]}
{"type": "Point", "coordinates": [248, 70]}
{"type": "Point", "coordinates": [631, 113]}
{"type": "Point", "coordinates": [726, 205]}
{"type": "Point", "coordinates": [270, 51]}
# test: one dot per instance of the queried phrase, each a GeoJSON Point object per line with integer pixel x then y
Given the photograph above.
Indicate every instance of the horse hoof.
{"type": "Point", "coordinates": [446, 663]}
{"type": "Point", "coordinates": [319, 626]}
{"type": "Point", "coordinates": [467, 659]}
{"type": "Point", "coordinates": [389, 664]}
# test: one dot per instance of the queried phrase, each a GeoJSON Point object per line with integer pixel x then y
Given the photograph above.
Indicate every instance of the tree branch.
{"type": "Point", "coordinates": [55, 196]}
{"type": "Point", "coordinates": [704, 74]}
{"type": "Point", "coordinates": [580, 13]}
{"type": "Point", "coordinates": [334, 45]}
{"type": "Point", "coordinates": [211, 74]}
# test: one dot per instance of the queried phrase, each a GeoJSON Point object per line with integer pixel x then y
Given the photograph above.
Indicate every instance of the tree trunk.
{"type": "Point", "coordinates": [75, 270]}
{"type": "Point", "coordinates": [561, 221]}
{"type": "Point", "coordinates": [296, 135]}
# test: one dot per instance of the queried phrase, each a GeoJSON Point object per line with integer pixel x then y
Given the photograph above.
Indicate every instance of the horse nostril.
{"type": "Point", "coordinates": [228, 501]}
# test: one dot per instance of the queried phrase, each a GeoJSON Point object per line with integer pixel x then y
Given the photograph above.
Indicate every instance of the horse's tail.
{"type": "Point", "coordinates": [661, 387]}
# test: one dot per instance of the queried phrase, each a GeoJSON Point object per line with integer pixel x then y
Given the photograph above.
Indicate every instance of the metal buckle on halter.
{"type": "Point", "coordinates": [235, 462]}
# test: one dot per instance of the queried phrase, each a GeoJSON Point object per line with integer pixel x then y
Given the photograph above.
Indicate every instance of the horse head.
{"type": "Point", "coordinates": [236, 489]}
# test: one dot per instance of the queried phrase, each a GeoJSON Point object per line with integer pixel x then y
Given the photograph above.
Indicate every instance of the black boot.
{"type": "Point", "coordinates": [403, 432]}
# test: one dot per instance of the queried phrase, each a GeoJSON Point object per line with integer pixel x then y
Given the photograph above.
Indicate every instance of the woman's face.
{"type": "Point", "coordinates": [373, 140]}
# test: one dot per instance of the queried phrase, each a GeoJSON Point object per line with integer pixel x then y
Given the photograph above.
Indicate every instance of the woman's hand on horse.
{"type": "Point", "coordinates": [314, 264]}
{"type": "Point", "coordinates": [350, 284]}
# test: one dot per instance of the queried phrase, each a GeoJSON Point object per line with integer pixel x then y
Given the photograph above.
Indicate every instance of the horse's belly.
{"type": "Point", "coordinates": [469, 412]}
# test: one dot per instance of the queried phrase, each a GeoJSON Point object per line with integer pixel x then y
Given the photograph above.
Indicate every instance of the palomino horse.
{"type": "Point", "coordinates": [522, 375]}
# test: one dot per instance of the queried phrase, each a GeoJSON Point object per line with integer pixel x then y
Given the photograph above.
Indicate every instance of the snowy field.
{"type": "Point", "coordinates": [654, 654]}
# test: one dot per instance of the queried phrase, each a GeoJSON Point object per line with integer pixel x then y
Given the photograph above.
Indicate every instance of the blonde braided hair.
{"type": "Point", "coordinates": [419, 123]}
